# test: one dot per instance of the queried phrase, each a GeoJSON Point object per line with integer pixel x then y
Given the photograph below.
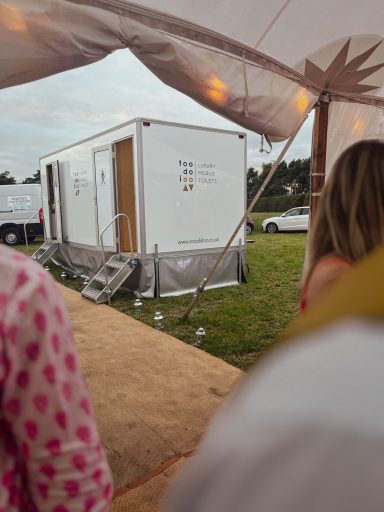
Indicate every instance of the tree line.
{"type": "Point", "coordinates": [290, 179]}
{"type": "Point", "coordinates": [7, 179]}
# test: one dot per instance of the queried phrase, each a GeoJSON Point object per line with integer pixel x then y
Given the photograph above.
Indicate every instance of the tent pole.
{"type": "Point", "coordinates": [318, 161]}
{"type": "Point", "coordinates": [199, 290]}
{"type": "Point", "coordinates": [319, 151]}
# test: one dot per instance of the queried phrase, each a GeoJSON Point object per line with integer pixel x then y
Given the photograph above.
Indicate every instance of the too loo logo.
{"type": "Point", "coordinates": [187, 175]}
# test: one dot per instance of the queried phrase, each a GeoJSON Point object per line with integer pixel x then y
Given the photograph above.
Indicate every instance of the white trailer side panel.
{"type": "Point", "coordinates": [81, 222]}
{"type": "Point", "coordinates": [194, 187]}
{"type": "Point", "coordinates": [76, 193]}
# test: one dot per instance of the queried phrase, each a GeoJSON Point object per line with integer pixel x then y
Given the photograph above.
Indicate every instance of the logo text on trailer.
{"type": "Point", "coordinates": [187, 175]}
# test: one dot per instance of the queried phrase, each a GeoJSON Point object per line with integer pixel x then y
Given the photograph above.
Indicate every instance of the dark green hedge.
{"type": "Point", "coordinates": [281, 203]}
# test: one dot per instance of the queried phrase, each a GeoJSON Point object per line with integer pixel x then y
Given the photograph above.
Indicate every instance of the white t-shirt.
{"type": "Point", "coordinates": [304, 433]}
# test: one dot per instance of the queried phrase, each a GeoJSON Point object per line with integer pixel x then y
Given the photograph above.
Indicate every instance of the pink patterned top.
{"type": "Point", "coordinates": [51, 458]}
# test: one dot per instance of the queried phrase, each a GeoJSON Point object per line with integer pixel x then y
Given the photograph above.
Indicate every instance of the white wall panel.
{"type": "Point", "coordinates": [78, 192]}
{"type": "Point", "coordinates": [193, 187]}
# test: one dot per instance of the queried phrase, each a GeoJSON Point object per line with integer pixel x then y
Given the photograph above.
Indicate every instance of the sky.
{"type": "Point", "coordinates": [46, 115]}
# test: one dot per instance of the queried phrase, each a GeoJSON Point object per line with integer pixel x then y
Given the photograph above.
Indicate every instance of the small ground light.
{"type": "Point", "coordinates": [158, 319]}
{"type": "Point", "coordinates": [137, 306]}
{"type": "Point", "coordinates": [64, 276]}
{"type": "Point", "coordinates": [200, 335]}
{"type": "Point", "coordinates": [86, 281]}
{"type": "Point", "coordinates": [47, 268]}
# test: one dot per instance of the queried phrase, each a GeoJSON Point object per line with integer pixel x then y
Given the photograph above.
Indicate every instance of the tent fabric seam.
{"type": "Point", "coordinates": [173, 26]}
{"type": "Point", "coordinates": [217, 40]}
{"type": "Point", "coordinates": [275, 18]}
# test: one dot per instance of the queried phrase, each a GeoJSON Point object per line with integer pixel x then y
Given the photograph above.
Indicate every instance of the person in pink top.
{"type": "Point", "coordinates": [51, 458]}
{"type": "Point", "coordinates": [349, 222]}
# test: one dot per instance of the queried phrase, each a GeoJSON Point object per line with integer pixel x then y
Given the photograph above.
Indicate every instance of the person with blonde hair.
{"type": "Point", "coordinates": [349, 222]}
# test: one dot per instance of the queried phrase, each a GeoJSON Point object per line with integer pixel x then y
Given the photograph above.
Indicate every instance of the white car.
{"type": "Point", "coordinates": [296, 219]}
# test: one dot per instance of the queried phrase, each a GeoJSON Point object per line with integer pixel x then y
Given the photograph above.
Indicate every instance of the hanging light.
{"type": "Point", "coordinates": [158, 320]}
{"type": "Point", "coordinates": [200, 335]}
{"type": "Point", "coordinates": [137, 307]}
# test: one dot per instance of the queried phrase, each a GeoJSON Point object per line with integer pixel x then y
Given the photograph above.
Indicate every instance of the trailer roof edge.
{"type": "Point", "coordinates": [137, 120]}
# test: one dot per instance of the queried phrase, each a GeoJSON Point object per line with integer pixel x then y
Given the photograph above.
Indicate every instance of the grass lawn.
{"type": "Point", "coordinates": [240, 321]}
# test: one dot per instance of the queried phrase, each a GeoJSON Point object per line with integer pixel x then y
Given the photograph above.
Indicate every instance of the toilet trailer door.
{"type": "Point", "coordinates": [105, 197]}
{"type": "Point", "coordinates": [126, 193]}
{"type": "Point", "coordinates": [57, 201]}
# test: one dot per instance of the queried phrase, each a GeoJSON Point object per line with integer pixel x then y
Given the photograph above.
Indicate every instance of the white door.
{"type": "Point", "coordinates": [291, 220]}
{"type": "Point", "coordinates": [57, 200]}
{"type": "Point", "coordinates": [102, 158]}
{"type": "Point", "coordinates": [304, 219]}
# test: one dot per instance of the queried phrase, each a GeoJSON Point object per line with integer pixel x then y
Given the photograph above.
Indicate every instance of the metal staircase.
{"type": "Point", "coordinates": [48, 248]}
{"type": "Point", "coordinates": [46, 251]}
{"type": "Point", "coordinates": [113, 273]}
{"type": "Point", "coordinates": [109, 278]}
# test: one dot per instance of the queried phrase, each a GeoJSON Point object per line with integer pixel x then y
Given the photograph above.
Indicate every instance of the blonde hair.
{"type": "Point", "coordinates": [349, 221]}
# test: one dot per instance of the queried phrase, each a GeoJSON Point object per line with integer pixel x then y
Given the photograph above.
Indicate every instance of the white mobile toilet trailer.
{"type": "Point", "coordinates": [182, 189]}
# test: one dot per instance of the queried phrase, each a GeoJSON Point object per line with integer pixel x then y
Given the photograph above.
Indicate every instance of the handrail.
{"type": "Point", "coordinates": [102, 247]}
{"type": "Point", "coordinates": [25, 230]}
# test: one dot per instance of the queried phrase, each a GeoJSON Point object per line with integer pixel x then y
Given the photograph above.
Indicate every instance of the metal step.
{"type": "Point", "coordinates": [116, 264]}
{"type": "Point", "coordinates": [91, 293]}
{"type": "Point", "coordinates": [42, 249]}
{"type": "Point", "coordinates": [38, 252]}
{"type": "Point", "coordinates": [100, 277]}
{"type": "Point", "coordinates": [118, 269]}
{"type": "Point", "coordinates": [45, 252]}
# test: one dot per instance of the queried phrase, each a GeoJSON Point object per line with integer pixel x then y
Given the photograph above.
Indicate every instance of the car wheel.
{"type": "Point", "coordinates": [248, 229]}
{"type": "Point", "coordinates": [271, 228]}
{"type": "Point", "coordinates": [11, 236]}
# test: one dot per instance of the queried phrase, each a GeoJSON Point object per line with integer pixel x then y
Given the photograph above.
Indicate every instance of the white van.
{"type": "Point", "coordinates": [17, 204]}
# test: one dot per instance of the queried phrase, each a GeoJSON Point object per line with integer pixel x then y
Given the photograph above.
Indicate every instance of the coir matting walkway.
{"type": "Point", "coordinates": [152, 395]}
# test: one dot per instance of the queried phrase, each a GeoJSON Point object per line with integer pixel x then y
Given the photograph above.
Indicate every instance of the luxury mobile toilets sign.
{"type": "Point", "coordinates": [19, 203]}
{"type": "Point", "coordinates": [80, 180]}
{"type": "Point", "coordinates": [192, 173]}
{"type": "Point", "coordinates": [193, 182]}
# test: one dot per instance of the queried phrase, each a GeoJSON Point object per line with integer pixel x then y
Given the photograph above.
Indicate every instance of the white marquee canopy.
{"type": "Point", "coordinates": [261, 64]}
